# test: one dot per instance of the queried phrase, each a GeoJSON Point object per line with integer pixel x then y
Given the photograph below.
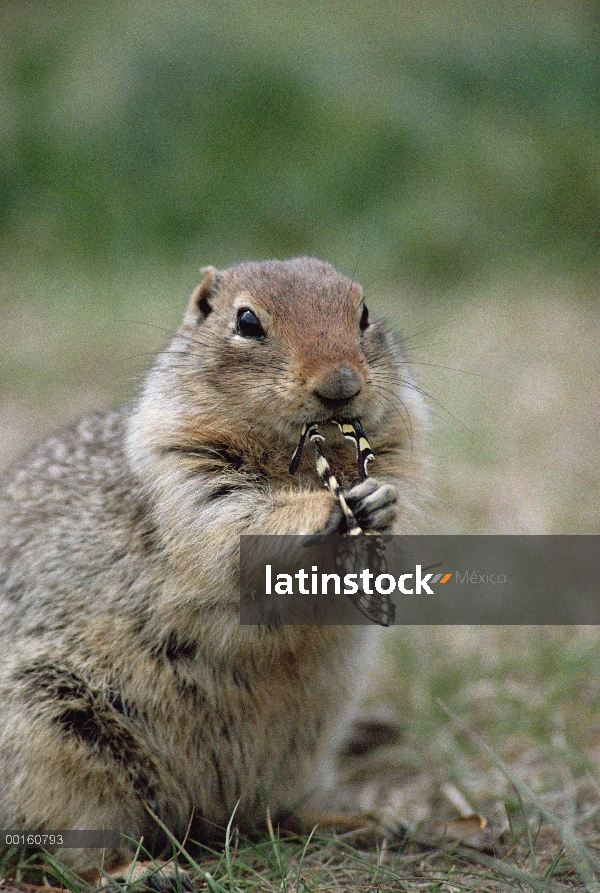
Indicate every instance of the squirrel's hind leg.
{"type": "Point", "coordinates": [72, 758]}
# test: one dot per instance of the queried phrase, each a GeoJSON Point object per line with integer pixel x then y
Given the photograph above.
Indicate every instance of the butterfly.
{"type": "Point", "coordinates": [375, 606]}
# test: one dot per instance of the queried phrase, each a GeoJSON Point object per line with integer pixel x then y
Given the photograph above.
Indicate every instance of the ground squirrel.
{"type": "Point", "coordinates": [126, 679]}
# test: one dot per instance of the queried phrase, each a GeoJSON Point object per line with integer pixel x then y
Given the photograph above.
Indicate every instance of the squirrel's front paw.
{"type": "Point", "coordinates": [373, 504]}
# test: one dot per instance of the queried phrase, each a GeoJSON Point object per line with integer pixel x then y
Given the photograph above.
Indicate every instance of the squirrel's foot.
{"type": "Point", "coordinates": [160, 877]}
{"type": "Point", "coordinates": [373, 504]}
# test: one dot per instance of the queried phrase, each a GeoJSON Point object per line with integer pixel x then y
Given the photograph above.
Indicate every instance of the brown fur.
{"type": "Point", "coordinates": [126, 681]}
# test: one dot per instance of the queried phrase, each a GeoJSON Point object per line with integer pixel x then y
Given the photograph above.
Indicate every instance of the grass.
{"type": "Point", "coordinates": [501, 722]}
{"type": "Point", "coordinates": [316, 863]}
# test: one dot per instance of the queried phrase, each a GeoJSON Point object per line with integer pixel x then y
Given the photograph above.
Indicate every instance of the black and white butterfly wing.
{"type": "Point", "coordinates": [352, 556]}
{"type": "Point", "coordinates": [377, 608]}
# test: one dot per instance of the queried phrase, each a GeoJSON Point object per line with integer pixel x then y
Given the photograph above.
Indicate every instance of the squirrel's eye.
{"type": "Point", "coordinates": [248, 324]}
{"type": "Point", "coordinates": [364, 320]}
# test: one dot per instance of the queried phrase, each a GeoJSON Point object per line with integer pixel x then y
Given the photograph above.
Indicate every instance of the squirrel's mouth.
{"type": "Point", "coordinates": [332, 411]}
{"type": "Point", "coordinates": [338, 409]}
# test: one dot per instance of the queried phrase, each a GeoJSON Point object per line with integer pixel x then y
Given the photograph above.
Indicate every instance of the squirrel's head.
{"type": "Point", "coordinates": [287, 343]}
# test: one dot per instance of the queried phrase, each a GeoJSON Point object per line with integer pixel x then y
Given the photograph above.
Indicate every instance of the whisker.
{"type": "Point", "coordinates": [407, 427]}
{"type": "Point", "coordinates": [424, 393]}
{"type": "Point", "coordinates": [447, 368]}
{"type": "Point", "coordinates": [421, 332]}
{"type": "Point", "coordinates": [172, 335]}
{"type": "Point", "coordinates": [392, 396]}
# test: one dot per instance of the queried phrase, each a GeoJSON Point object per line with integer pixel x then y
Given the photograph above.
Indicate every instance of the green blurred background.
{"type": "Point", "coordinates": [446, 154]}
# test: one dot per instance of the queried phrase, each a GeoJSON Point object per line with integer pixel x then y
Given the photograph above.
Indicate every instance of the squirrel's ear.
{"type": "Point", "coordinates": [201, 302]}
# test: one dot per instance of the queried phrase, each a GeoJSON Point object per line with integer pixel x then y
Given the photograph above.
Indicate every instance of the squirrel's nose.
{"type": "Point", "coordinates": [340, 384]}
